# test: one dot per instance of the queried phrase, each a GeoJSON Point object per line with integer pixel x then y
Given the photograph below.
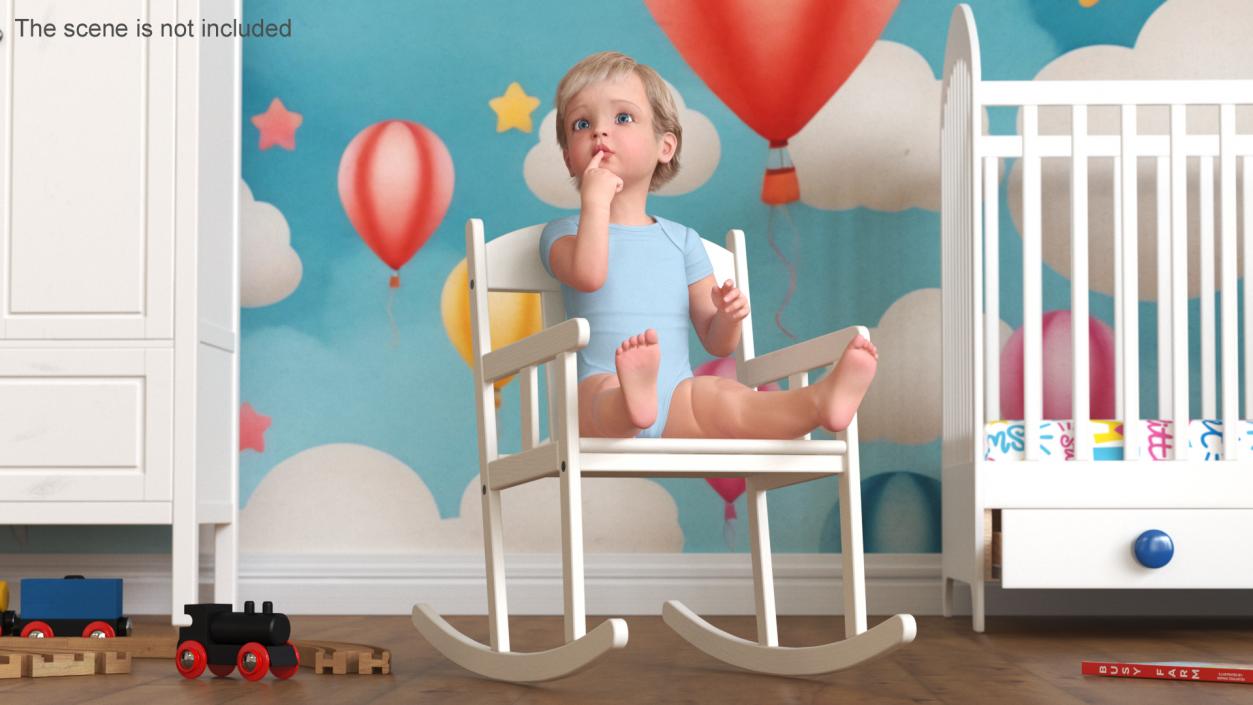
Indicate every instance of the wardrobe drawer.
{"type": "Point", "coordinates": [81, 424]}
{"type": "Point", "coordinates": [1096, 548]}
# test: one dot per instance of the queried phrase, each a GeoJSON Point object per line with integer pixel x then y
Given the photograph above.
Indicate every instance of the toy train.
{"type": "Point", "coordinates": [70, 606]}
{"type": "Point", "coordinates": [222, 640]}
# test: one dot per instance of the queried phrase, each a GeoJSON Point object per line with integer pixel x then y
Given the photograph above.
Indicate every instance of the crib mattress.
{"type": "Point", "coordinates": [1006, 440]}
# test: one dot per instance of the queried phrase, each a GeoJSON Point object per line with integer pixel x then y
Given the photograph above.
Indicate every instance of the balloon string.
{"type": "Point", "coordinates": [791, 271]}
{"type": "Point", "coordinates": [728, 533]}
{"type": "Point", "coordinates": [391, 295]}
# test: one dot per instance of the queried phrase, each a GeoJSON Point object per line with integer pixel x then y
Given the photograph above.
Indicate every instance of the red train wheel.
{"type": "Point", "coordinates": [37, 630]}
{"type": "Point", "coordinates": [253, 661]}
{"type": "Point", "coordinates": [99, 630]}
{"type": "Point", "coordinates": [284, 672]}
{"type": "Point", "coordinates": [221, 670]}
{"type": "Point", "coordinates": [190, 658]}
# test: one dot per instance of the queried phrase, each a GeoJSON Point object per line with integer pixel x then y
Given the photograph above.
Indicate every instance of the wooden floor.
{"type": "Point", "coordinates": [1018, 660]}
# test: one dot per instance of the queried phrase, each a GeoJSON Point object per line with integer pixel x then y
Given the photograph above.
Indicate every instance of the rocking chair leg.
{"type": "Point", "coordinates": [763, 568]}
{"type": "Point", "coordinates": [566, 420]}
{"type": "Point", "coordinates": [572, 553]}
{"type": "Point", "coordinates": [854, 568]}
{"type": "Point", "coordinates": [494, 552]}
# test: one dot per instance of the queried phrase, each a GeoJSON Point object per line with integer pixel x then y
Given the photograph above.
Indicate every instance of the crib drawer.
{"type": "Point", "coordinates": [1096, 548]}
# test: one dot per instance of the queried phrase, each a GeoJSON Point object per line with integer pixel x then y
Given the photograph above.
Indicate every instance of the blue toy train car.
{"type": "Point", "coordinates": [70, 606]}
{"type": "Point", "coordinates": [222, 640]}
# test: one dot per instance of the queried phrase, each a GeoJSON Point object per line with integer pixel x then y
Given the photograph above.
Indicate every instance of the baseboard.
{"type": "Point", "coordinates": [621, 584]}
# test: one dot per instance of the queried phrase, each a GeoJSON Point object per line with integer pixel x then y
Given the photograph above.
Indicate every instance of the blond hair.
{"type": "Point", "coordinates": [613, 65]}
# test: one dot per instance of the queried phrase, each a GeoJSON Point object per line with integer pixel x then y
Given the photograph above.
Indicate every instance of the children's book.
{"type": "Point", "coordinates": [1173, 671]}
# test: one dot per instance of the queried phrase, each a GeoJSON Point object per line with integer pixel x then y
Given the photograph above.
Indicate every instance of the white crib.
{"type": "Point", "coordinates": [1048, 521]}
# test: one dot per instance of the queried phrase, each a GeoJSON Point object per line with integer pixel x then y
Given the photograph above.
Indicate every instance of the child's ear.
{"type": "Point", "coordinates": [669, 145]}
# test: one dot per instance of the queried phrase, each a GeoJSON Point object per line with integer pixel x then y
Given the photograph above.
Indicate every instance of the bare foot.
{"type": "Point", "coordinates": [637, 360]}
{"type": "Point", "coordinates": [839, 394]}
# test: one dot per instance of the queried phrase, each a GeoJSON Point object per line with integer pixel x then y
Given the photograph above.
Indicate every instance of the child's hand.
{"type": "Point", "coordinates": [599, 184]}
{"type": "Point", "coordinates": [730, 302]}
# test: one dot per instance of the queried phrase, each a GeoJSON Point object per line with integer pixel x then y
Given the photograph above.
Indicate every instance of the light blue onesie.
{"type": "Point", "coordinates": [650, 268]}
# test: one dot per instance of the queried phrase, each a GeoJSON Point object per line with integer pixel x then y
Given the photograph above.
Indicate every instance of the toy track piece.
{"type": "Point", "coordinates": [42, 665]}
{"type": "Point", "coordinates": [341, 658]}
{"type": "Point", "coordinates": [135, 646]}
{"type": "Point", "coordinates": [10, 665]}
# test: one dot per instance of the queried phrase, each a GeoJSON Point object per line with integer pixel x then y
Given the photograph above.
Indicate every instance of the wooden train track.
{"type": "Point", "coordinates": [78, 656]}
{"type": "Point", "coordinates": [40, 661]}
{"type": "Point", "coordinates": [339, 658]}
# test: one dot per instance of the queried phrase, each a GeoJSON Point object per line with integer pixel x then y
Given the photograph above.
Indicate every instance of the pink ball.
{"type": "Point", "coordinates": [725, 367]}
{"type": "Point", "coordinates": [1058, 376]}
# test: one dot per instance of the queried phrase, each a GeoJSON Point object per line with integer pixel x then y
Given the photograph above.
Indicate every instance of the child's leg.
{"type": "Point", "coordinates": [622, 405]}
{"type": "Point", "coordinates": [714, 407]}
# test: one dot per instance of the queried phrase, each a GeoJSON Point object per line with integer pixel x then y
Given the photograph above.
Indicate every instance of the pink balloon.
{"type": "Point", "coordinates": [729, 488]}
{"type": "Point", "coordinates": [1058, 376]}
{"type": "Point", "coordinates": [725, 367]}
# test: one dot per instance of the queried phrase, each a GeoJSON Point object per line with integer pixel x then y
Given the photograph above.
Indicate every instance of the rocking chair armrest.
{"type": "Point", "coordinates": [567, 336]}
{"type": "Point", "coordinates": [801, 357]}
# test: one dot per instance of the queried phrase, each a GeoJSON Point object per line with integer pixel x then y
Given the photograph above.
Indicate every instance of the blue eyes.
{"type": "Point", "coordinates": [619, 119]}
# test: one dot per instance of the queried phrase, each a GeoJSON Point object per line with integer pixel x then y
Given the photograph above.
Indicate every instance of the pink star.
{"type": "Point", "coordinates": [252, 428]}
{"type": "Point", "coordinates": [278, 126]}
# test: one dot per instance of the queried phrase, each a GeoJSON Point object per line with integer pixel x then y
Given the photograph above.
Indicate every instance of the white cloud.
{"type": "Point", "coordinates": [547, 177]}
{"type": "Point", "coordinates": [1185, 40]}
{"type": "Point", "coordinates": [269, 269]}
{"type": "Point", "coordinates": [875, 144]}
{"type": "Point", "coordinates": [904, 402]}
{"type": "Point", "coordinates": [349, 498]}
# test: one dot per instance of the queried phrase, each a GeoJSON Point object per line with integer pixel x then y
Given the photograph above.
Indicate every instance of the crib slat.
{"type": "Point", "coordinates": [1230, 374]}
{"type": "Point", "coordinates": [1118, 290]}
{"type": "Point", "coordinates": [1179, 278]}
{"type": "Point", "coordinates": [992, 288]}
{"type": "Point", "coordinates": [1163, 288]}
{"type": "Point", "coordinates": [1206, 204]}
{"type": "Point", "coordinates": [1246, 169]}
{"type": "Point", "coordinates": [1130, 332]}
{"type": "Point", "coordinates": [1031, 283]}
{"type": "Point", "coordinates": [1079, 281]}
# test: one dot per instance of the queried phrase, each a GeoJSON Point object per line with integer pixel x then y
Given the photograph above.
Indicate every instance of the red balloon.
{"type": "Point", "coordinates": [775, 64]}
{"type": "Point", "coordinates": [395, 182]}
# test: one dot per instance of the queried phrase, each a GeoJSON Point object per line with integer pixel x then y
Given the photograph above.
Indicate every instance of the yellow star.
{"type": "Point", "coordinates": [513, 109]}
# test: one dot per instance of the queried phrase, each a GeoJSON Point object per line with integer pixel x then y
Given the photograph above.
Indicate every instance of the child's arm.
{"type": "Point", "coordinates": [717, 313]}
{"type": "Point", "coordinates": [582, 262]}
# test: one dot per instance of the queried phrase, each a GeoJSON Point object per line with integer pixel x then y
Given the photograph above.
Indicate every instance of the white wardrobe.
{"type": "Point", "coordinates": [119, 309]}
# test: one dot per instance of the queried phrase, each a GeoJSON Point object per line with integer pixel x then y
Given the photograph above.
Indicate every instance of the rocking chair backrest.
{"type": "Point", "coordinates": [511, 263]}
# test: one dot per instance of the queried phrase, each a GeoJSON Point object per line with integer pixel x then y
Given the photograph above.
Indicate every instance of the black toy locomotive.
{"type": "Point", "coordinates": [222, 640]}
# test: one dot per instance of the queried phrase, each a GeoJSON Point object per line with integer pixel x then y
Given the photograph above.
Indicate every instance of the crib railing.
{"type": "Point", "coordinates": [978, 174]}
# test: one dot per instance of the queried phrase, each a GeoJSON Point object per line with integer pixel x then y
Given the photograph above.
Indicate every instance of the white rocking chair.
{"type": "Point", "coordinates": [511, 263]}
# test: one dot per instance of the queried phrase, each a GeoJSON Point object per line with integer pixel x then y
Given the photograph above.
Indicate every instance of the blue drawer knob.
{"type": "Point", "coordinates": [1154, 548]}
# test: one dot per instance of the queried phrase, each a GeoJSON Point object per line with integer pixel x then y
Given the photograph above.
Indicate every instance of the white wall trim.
{"type": "Point", "coordinates": [617, 584]}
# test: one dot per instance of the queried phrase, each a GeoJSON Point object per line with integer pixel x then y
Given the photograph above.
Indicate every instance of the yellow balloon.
{"type": "Point", "coordinates": [513, 317]}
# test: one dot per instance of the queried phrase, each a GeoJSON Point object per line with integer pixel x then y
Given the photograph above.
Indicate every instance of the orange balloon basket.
{"type": "Point", "coordinates": [780, 186]}
{"type": "Point", "coordinates": [394, 282]}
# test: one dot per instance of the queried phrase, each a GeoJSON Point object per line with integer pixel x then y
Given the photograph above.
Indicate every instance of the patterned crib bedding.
{"type": "Point", "coordinates": [1006, 440]}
